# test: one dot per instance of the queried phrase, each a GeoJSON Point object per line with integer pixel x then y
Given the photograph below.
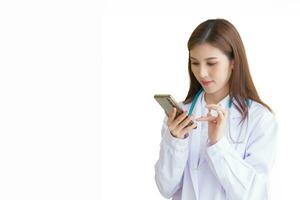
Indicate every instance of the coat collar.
{"type": "Point", "coordinates": [200, 104]}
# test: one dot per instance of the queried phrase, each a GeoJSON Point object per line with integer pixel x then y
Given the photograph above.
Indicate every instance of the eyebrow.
{"type": "Point", "coordinates": [209, 58]}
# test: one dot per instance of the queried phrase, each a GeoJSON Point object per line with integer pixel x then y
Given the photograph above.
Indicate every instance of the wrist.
{"type": "Point", "coordinates": [213, 141]}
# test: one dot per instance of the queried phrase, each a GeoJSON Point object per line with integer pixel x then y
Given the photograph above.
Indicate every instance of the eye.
{"type": "Point", "coordinates": [211, 64]}
{"type": "Point", "coordinates": [195, 63]}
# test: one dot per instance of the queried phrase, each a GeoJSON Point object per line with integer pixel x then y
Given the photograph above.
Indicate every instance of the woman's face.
{"type": "Point", "coordinates": [211, 67]}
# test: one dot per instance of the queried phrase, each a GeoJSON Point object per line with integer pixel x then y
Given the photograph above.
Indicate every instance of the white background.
{"type": "Point", "coordinates": [77, 79]}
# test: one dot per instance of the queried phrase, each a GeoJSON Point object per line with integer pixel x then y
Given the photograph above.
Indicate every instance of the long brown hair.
{"type": "Point", "coordinates": [221, 34]}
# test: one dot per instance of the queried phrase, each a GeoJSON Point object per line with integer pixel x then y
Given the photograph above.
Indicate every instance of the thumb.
{"type": "Point", "coordinates": [209, 113]}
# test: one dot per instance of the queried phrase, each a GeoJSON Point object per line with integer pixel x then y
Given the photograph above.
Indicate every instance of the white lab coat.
{"type": "Point", "coordinates": [190, 169]}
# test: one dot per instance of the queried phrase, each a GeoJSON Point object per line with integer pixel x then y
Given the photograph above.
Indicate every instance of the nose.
{"type": "Point", "coordinates": [203, 72]}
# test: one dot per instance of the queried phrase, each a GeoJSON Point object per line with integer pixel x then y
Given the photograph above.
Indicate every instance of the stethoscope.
{"type": "Point", "coordinates": [238, 141]}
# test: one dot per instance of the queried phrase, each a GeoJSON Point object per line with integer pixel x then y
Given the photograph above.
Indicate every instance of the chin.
{"type": "Point", "coordinates": [211, 90]}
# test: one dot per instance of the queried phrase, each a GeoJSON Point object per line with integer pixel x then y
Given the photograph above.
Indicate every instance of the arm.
{"type": "Point", "coordinates": [246, 178]}
{"type": "Point", "coordinates": [171, 163]}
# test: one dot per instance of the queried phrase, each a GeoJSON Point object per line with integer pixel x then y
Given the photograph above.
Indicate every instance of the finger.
{"type": "Point", "coordinates": [184, 123]}
{"type": "Point", "coordinates": [180, 118]}
{"type": "Point", "coordinates": [212, 120]}
{"type": "Point", "coordinates": [171, 116]}
{"type": "Point", "coordinates": [170, 113]}
{"type": "Point", "coordinates": [209, 119]}
{"type": "Point", "coordinates": [221, 115]}
{"type": "Point", "coordinates": [209, 113]}
{"type": "Point", "coordinates": [187, 129]}
{"type": "Point", "coordinates": [173, 113]}
{"type": "Point", "coordinates": [203, 118]}
{"type": "Point", "coordinates": [215, 107]}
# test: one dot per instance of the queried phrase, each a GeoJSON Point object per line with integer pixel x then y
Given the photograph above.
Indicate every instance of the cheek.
{"type": "Point", "coordinates": [195, 72]}
{"type": "Point", "coordinates": [215, 72]}
{"type": "Point", "coordinates": [220, 74]}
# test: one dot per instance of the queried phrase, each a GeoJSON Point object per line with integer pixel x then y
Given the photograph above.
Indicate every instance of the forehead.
{"type": "Point", "coordinates": [205, 50]}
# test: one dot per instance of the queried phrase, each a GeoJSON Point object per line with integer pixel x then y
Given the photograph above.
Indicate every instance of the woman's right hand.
{"type": "Point", "coordinates": [178, 127]}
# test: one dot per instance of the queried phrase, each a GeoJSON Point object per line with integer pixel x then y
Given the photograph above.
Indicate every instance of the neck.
{"type": "Point", "coordinates": [215, 98]}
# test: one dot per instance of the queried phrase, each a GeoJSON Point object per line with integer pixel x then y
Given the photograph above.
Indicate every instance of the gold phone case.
{"type": "Point", "coordinates": [167, 102]}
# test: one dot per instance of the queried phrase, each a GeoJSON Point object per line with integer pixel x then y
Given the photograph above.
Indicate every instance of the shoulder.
{"type": "Point", "coordinates": [260, 113]}
{"type": "Point", "coordinates": [263, 125]}
{"type": "Point", "coordinates": [259, 110]}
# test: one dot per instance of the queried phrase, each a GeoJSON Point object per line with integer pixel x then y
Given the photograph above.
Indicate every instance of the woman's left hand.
{"type": "Point", "coordinates": [216, 125]}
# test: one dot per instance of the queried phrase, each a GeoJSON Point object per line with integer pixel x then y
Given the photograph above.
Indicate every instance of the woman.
{"type": "Point", "coordinates": [229, 151]}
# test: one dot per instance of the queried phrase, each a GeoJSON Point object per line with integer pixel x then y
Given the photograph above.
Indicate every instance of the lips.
{"type": "Point", "coordinates": [206, 82]}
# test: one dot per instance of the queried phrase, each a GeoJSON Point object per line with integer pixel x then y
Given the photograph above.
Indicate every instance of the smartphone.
{"type": "Point", "coordinates": [167, 102]}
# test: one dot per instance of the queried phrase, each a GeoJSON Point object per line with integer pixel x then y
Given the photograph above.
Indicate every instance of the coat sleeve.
{"type": "Point", "coordinates": [172, 160]}
{"type": "Point", "coordinates": [246, 178]}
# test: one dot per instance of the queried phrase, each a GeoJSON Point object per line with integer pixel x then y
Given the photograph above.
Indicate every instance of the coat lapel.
{"type": "Point", "coordinates": [194, 142]}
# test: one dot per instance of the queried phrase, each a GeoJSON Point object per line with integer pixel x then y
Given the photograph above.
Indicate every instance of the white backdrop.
{"type": "Point", "coordinates": [77, 79]}
{"type": "Point", "coordinates": [144, 48]}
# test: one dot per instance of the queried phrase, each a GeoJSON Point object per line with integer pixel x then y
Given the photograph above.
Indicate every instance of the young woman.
{"type": "Point", "coordinates": [230, 153]}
